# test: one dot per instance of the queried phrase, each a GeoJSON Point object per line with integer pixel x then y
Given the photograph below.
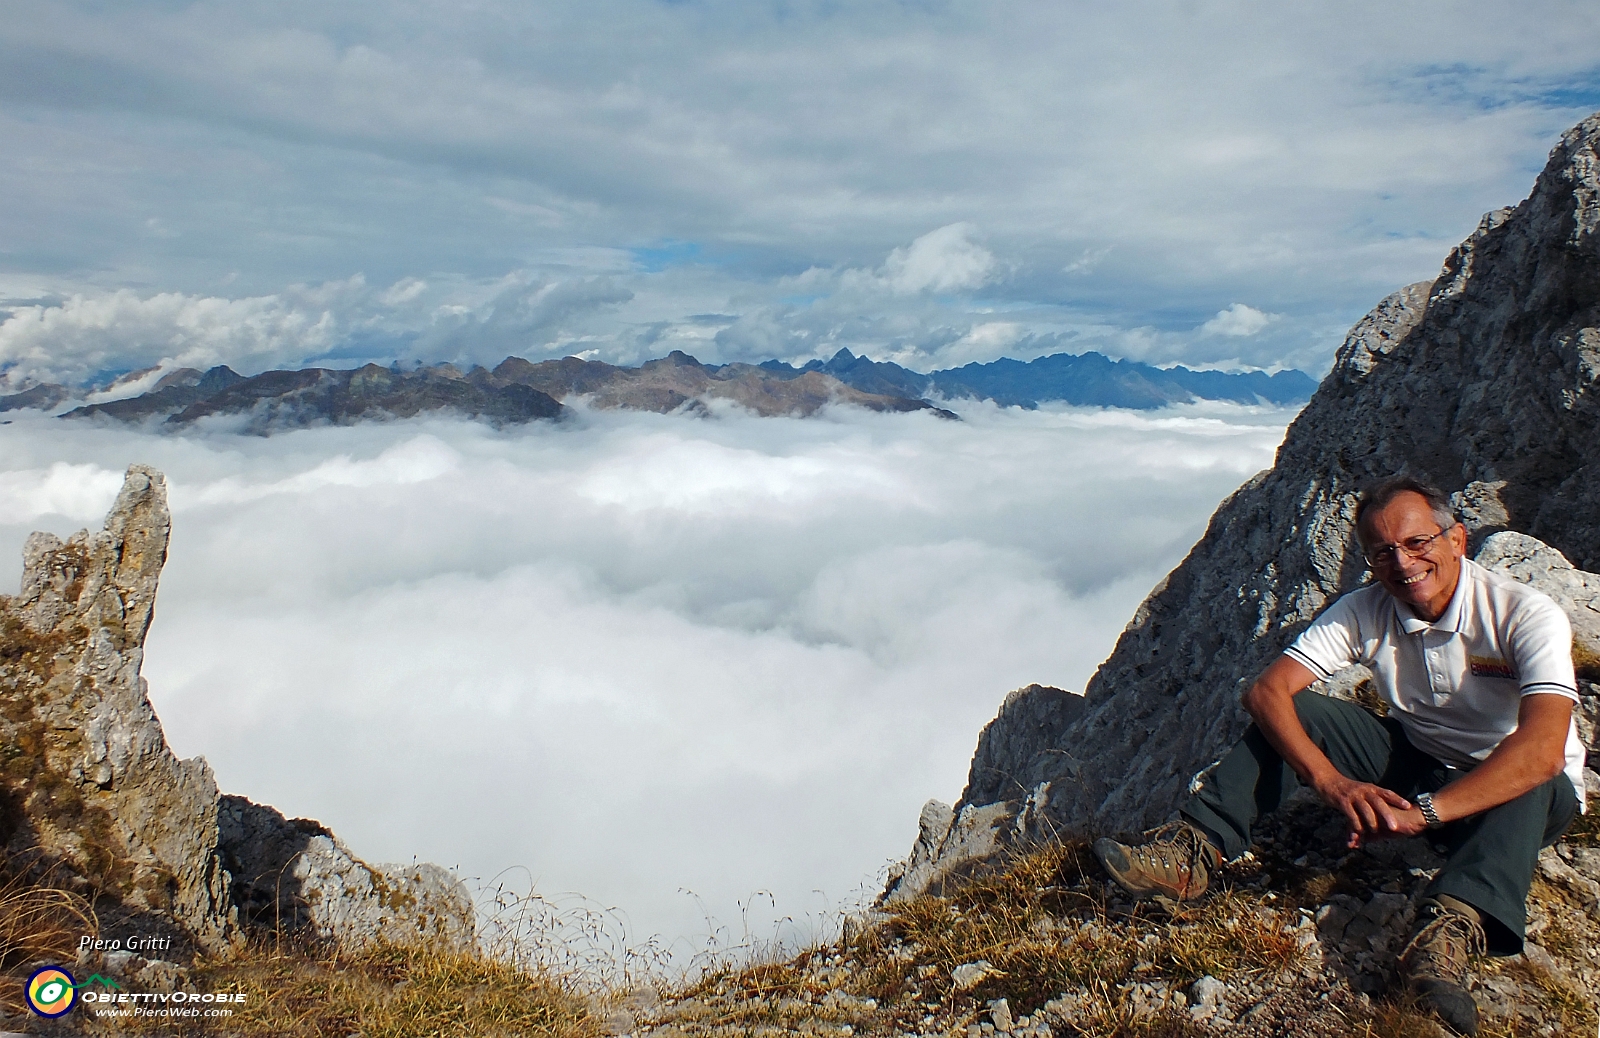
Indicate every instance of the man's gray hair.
{"type": "Point", "coordinates": [1381, 494]}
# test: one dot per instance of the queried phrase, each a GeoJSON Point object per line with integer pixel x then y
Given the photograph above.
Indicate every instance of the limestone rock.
{"type": "Point", "coordinates": [294, 874]}
{"type": "Point", "coordinates": [1018, 752]}
{"type": "Point", "coordinates": [947, 843]}
{"type": "Point", "coordinates": [1021, 747]}
{"type": "Point", "coordinates": [1534, 562]}
{"type": "Point", "coordinates": [92, 797]}
{"type": "Point", "coordinates": [1483, 381]}
{"type": "Point", "coordinates": [90, 785]}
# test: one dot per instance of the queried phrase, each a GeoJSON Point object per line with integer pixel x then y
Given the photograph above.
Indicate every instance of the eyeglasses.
{"type": "Point", "coordinates": [1414, 547]}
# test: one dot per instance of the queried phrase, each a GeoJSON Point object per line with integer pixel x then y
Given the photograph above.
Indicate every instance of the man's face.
{"type": "Point", "coordinates": [1426, 583]}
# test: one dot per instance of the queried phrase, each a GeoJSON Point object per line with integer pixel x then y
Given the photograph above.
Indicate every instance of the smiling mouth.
{"type": "Point", "coordinates": [1419, 578]}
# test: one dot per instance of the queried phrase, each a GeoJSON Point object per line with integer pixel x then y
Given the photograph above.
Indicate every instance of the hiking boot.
{"type": "Point", "coordinates": [1177, 862]}
{"type": "Point", "coordinates": [1435, 961]}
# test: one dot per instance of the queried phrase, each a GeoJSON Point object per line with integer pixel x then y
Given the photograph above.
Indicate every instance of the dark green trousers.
{"type": "Point", "coordinates": [1490, 856]}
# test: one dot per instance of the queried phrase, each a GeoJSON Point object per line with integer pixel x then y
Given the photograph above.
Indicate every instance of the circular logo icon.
{"type": "Point", "coordinates": [51, 992]}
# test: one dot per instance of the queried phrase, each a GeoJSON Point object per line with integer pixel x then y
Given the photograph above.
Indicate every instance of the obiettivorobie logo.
{"type": "Point", "coordinates": [52, 992]}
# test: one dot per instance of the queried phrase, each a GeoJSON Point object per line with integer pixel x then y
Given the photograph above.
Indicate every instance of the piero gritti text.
{"type": "Point", "coordinates": [135, 943]}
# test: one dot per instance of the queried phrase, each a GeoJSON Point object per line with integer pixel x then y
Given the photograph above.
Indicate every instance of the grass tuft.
{"type": "Point", "coordinates": [1044, 927]}
{"type": "Point", "coordinates": [39, 924]}
{"type": "Point", "coordinates": [388, 992]}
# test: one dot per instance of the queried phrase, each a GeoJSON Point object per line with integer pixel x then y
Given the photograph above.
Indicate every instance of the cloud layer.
{"type": "Point", "coordinates": [627, 176]}
{"type": "Point", "coordinates": [639, 655]}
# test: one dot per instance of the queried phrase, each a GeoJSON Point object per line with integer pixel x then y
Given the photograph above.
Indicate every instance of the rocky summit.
{"type": "Point", "coordinates": [93, 801]}
{"type": "Point", "coordinates": [1483, 381]}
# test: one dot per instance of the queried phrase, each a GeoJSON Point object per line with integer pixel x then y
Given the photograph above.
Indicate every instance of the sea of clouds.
{"type": "Point", "coordinates": [702, 670]}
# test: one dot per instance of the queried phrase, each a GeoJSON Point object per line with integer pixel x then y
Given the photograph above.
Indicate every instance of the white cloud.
{"type": "Point", "coordinates": [82, 336]}
{"type": "Point", "coordinates": [636, 654]}
{"type": "Point", "coordinates": [1238, 320]}
{"type": "Point", "coordinates": [944, 260]}
{"type": "Point", "coordinates": [77, 493]}
{"type": "Point", "coordinates": [1115, 170]}
{"type": "Point", "coordinates": [339, 323]}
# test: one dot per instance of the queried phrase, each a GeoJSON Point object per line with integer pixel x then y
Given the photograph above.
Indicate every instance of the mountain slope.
{"type": "Point", "coordinates": [1483, 381]}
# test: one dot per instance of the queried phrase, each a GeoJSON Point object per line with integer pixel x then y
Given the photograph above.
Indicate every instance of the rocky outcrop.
{"type": "Point", "coordinates": [295, 875]}
{"type": "Point", "coordinates": [1017, 751]}
{"type": "Point", "coordinates": [1483, 381]}
{"type": "Point", "coordinates": [89, 779]}
{"type": "Point", "coordinates": [92, 797]}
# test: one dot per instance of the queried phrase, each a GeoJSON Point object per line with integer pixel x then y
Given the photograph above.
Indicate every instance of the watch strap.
{"type": "Point", "coordinates": [1425, 805]}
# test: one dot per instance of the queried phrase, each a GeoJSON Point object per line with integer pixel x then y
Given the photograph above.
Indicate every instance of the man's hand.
{"type": "Point", "coordinates": [1374, 813]}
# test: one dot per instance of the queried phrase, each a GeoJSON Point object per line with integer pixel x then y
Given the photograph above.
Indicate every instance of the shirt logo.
{"type": "Point", "coordinates": [1490, 667]}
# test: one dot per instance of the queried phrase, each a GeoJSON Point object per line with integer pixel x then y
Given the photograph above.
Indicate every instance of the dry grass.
{"type": "Point", "coordinates": [1585, 829]}
{"type": "Point", "coordinates": [39, 924]}
{"type": "Point", "coordinates": [566, 936]}
{"type": "Point", "coordinates": [1042, 922]}
{"type": "Point", "coordinates": [391, 992]}
{"type": "Point", "coordinates": [1586, 661]}
{"type": "Point", "coordinates": [299, 989]}
{"type": "Point", "coordinates": [1044, 927]}
{"type": "Point", "coordinates": [1366, 694]}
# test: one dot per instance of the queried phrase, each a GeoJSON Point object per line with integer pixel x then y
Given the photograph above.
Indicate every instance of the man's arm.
{"type": "Point", "coordinates": [1527, 758]}
{"type": "Point", "coordinates": [1371, 810]}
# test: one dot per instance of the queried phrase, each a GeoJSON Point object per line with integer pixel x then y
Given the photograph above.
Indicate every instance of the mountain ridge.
{"type": "Point", "coordinates": [517, 390]}
{"type": "Point", "coordinates": [1090, 379]}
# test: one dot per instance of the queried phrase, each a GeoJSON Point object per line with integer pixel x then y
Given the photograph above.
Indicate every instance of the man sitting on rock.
{"type": "Point", "coordinates": [1478, 743]}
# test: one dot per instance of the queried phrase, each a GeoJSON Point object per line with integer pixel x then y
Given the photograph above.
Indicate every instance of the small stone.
{"type": "Point", "coordinates": [1210, 997]}
{"type": "Point", "coordinates": [970, 974]}
{"type": "Point", "coordinates": [1000, 1014]}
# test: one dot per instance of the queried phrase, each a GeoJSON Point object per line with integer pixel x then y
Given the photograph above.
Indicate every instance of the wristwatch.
{"type": "Point", "coordinates": [1425, 805]}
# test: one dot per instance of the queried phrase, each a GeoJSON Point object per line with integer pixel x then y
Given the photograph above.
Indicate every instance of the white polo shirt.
{"type": "Point", "coordinates": [1454, 684]}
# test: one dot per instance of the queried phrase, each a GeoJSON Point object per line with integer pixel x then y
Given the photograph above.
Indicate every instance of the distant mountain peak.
{"type": "Point", "coordinates": [519, 390]}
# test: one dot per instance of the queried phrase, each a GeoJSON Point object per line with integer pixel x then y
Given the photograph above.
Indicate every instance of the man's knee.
{"type": "Point", "coordinates": [1316, 709]}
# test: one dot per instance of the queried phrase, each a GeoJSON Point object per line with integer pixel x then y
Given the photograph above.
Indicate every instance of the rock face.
{"type": "Point", "coordinates": [295, 874]}
{"type": "Point", "coordinates": [90, 780]}
{"type": "Point", "coordinates": [92, 797]}
{"type": "Point", "coordinates": [1484, 382]}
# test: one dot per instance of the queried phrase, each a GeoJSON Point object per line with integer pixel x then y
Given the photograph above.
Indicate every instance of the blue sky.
{"type": "Point", "coordinates": [1216, 184]}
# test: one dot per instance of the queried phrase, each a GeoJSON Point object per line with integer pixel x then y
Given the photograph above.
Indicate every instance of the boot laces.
{"type": "Point", "coordinates": [1443, 947]}
{"type": "Point", "coordinates": [1177, 847]}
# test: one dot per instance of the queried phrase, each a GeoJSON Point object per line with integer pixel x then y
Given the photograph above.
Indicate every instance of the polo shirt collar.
{"type": "Point", "coordinates": [1449, 621]}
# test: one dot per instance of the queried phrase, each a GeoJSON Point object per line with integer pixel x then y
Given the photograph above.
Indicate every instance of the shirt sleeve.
{"type": "Point", "coordinates": [1540, 641]}
{"type": "Point", "coordinates": [1331, 643]}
